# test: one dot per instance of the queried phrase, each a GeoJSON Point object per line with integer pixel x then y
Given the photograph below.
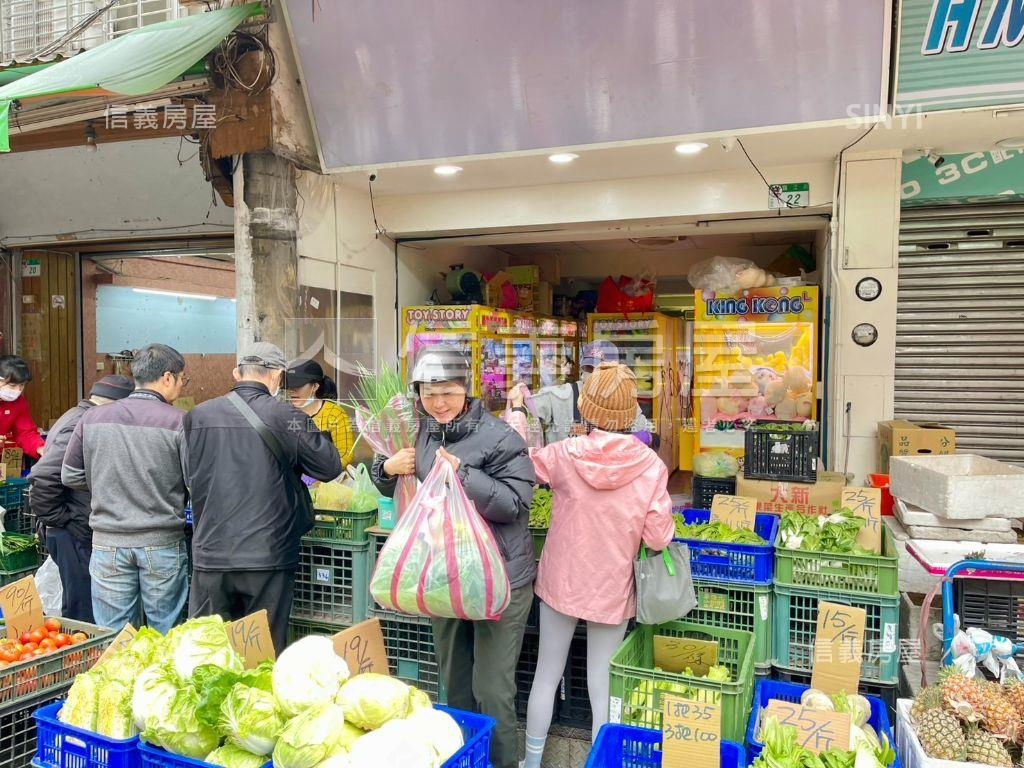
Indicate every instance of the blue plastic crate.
{"type": "Point", "coordinates": [12, 492]}
{"type": "Point", "coordinates": [475, 752]}
{"type": "Point", "coordinates": [740, 563]}
{"type": "Point", "coordinates": [767, 690]}
{"type": "Point", "coordinates": [622, 746]}
{"type": "Point", "coordinates": [59, 745]}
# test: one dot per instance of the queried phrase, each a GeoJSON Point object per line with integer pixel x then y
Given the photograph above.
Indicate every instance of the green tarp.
{"type": "Point", "coordinates": [133, 65]}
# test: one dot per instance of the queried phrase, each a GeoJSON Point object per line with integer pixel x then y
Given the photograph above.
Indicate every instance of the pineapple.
{"type": "Point", "coordinates": [926, 699]}
{"type": "Point", "coordinates": [1014, 692]}
{"type": "Point", "coordinates": [998, 715]}
{"type": "Point", "coordinates": [940, 734]}
{"type": "Point", "coordinates": [981, 747]}
{"type": "Point", "coordinates": [961, 694]}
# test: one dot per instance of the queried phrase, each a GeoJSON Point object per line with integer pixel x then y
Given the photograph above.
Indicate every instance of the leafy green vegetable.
{"type": "Point", "coordinates": [310, 737]}
{"type": "Point", "coordinates": [230, 756]}
{"type": "Point", "coordinates": [153, 695]}
{"type": "Point", "coordinates": [781, 750]}
{"type": "Point", "coordinates": [181, 731]}
{"type": "Point", "coordinates": [370, 700]}
{"type": "Point", "coordinates": [114, 711]}
{"type": "Point", "coordinates": [540, 508]}
{"type": "Point", "coordinates": [251, 719]}
{"type": "Point", "coordinates": [308, 673]}
{"type": "Point", "coordinates": [376, 390]}
{"type": "Point", "coordinates": [718, 531]}
{"type": "Point", "coordinates": [80, 709]}
{"type": "Point", "coordinates": [201, 641]}
{"type": "Point", "coordinates": [148, 645]}
{"type": "Point", "coordinates": [835, 533]}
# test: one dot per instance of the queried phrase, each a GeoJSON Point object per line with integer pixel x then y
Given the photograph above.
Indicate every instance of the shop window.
{"type": "Point", "coordinates": [130, 318]}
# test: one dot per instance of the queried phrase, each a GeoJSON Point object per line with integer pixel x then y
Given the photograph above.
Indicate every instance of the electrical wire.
{"type": "Point", "coordinates": [378, 229]}
{"type": "Point", "coordinates": [229, 54]}
{"type": "Point", "coordinates": [843, 151]}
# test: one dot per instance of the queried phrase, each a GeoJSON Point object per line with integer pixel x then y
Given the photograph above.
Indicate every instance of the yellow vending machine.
{"type": "Point", "coordinates": [755, 359]}
{"type": "Point", "coordinates": [647, 343]}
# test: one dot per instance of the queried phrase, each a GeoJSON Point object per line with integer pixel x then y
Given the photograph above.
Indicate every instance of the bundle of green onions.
{"type": "Point", "coordinates": [15, 543]}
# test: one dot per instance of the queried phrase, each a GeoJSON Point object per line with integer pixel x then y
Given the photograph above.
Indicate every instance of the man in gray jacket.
{"type": "Point", "coordinates": [130, 455]}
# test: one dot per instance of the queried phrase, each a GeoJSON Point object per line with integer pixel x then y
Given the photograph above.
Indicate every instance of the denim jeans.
{"type": "Point", "coordinates": [127, 579]}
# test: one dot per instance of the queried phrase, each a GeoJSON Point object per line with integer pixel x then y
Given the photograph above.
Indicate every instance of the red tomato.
{"type": "Point", "coordinates": [8, 654]}
{"type": "Point", "coordinates": [79, 637]}
{"type": "Point", "coordinates": [52, 625]}
{"type": "Point", "coordinates": [31, 646]}
{"type": "Point", "coordinates": [26, 656]}
{"type": "Point", "coordinates": [61, 639]}
{"type": "Point", "coordinates": [39, 652]}
{"type": "Point", "coordinates": [48, 644]}
{"type": "Point", "coordinates": [25, 638]}
{"type": "Point", "coordinates": [37, 635]}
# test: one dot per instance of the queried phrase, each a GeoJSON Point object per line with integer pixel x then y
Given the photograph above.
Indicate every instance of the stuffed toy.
{"type": "Point", "coordinates": [708, 410]}
{"type": "Point", "coordinates": [758, 407]}
{"type": "Point", "coordinates": [731, 407]}
{"type": "Point", "coordinates": [797, 380]}
{"type": "Point", "coordinates": [775, 393]}
{"type": "Point", "coordinates": [804, 405]}
{"type": "Point", "coordinates": [786, 410]}
{"type": "Point", "coordinates": [763, 377]}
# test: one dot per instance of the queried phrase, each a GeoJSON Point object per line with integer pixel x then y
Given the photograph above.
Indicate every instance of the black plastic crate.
{"type": "Point", "coordinates": [409, 642]}
{"type": "Point", "coordinates": [995, 606]}
{"type": "Point", "coordinates": [771, 453]}
{"type": "Point", "coordinates": [18, 729]}
{"type": "Point", "coordinates": [887, 693]}
{"type": "Point", "coordinates": [706, 488]}
{"type": "Point", "coordinates": [533, 620]}
{"type": "Point", "coordinates": [331, 583]}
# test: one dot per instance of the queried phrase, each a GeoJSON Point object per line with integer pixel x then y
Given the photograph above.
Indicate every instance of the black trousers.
{"type": "Point", "coordinates": [234, 594]}
{"type": "Point", "coordinates": [71, 555]}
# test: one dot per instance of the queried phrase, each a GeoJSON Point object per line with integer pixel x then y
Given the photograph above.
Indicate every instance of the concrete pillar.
{"type": "Point", "coordinates": [266, 261]}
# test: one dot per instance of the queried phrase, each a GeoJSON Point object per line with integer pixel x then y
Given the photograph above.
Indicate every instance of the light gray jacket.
{"type": "Point", "coordinates": [554, 409]}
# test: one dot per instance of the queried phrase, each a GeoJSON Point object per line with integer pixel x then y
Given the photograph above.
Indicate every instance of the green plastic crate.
{"type": "Point", "coordinates": [635, 695]}
{"type": "Point", "coordinates": [9, 577]}
{"type": "Point", "coordinates": [342, 527]}
{"type": "Point", "coordinates": [796, 624]}
{"type": "Point", "coordinates": [864, 574]}
{"type": "Point", "coordinates": [732, 606]}
{"type": "Point", "coordinates": [332, 583]}
{"type": "Point", "coordinates": [539, 535]}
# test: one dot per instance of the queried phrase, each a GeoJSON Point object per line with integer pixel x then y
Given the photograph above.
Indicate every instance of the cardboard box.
{"type": "Point", "coordinates": [776, 497]}
{"type": "Point", "coordinates": [12, 459]}
{"type": "Point", "coordinates": [900, 437]}
{"type": "Point", "coordinates": [526, 280]}
{"type": "Point", "coordinates": [548, 264]}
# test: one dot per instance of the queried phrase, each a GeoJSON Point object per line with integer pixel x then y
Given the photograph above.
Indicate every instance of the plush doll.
{"type": "Point", "coordinates": [775, 392]}
{"type": "Point", "coordinates": [804, 404]}
{"type": "Point", "coordinates": [731, 407]}
{"type": "Point", "coordinates": [797, 380]}
{"type": "Point", "coordinates": [763, 377]}
{"type": "Point", "coordinates": [758, 407]}
{"type": "Point", "coordinates": [708, 410]}
{"type": "Point", "coordinates": [751, 277]}
{"type": "Point", "coordinates": [786, 410]}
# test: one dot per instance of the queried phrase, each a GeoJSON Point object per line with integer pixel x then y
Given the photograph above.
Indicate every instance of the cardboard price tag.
{"type": "Point", "coordinates": [866, 503]}
{"type": "Point", "coordinates": [250, 637]}
{"type": "Point", "coordinates": [21, 606]}
{"type": "Point", "coordinates": [122, 641]}
{"type": "Point", "coordinates": [816, 731]}
{"type": "Point", "coordinates": [362, 648]}
{"type": "Point", "coordinates": [691, 733]}
{"type": "Point", "coordinates": [675, 654]}
{"type": "Point", "coordinates": [735, 511]}
{"type": "Point", "coordinates": [838, 648]}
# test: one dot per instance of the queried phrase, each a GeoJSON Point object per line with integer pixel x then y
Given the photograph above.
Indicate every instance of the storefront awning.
{"type": "Point", "coordinates": [141, 61]}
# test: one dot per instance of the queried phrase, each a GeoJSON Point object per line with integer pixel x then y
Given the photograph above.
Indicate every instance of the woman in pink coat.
{"type": "Point", "coordinates": [610, 494]}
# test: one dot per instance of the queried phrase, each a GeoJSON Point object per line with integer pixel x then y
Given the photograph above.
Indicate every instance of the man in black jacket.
{"type": "Point", "coordinates": [249, 504]}
{"type": "Point", "coordinates": [62, 512]}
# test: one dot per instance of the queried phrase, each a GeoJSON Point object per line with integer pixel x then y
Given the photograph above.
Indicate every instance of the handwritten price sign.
{"type": "Point", "coordinates": [362, 647]}
{"type": "Point", "coordinates": [22, 609]}
{"type": "Point", "coordinates": [691, 733]}
{"type": "Point", "coordinates": [674, 654]}
{"type": "Point", "coordinates": [250, 637]}
{"type": "Point", "coordinates": [866, 503]}
{"type": "Point", "coordinates": [838, 648]}
{"type": "Point", "coordinates": [735, 511]}
{"type": "Point", "coordinates": [816, 731]}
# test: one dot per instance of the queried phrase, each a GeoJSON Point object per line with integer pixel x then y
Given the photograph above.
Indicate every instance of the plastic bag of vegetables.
{"type": "Point", "coordinates": [441, 559]}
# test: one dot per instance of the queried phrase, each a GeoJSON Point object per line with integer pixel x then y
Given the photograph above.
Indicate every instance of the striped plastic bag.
{"type": "Point", "coordinates": [442, 559]}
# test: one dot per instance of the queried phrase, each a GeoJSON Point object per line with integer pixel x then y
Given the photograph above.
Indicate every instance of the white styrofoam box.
{"type": "Point", "coordinates": [933, 533]}
{"type": "Point", "coordinates": [911, 515]}
{"type": "Point", "coordinates": [912, 576]}
{"type": "Point", "coordinates": [962, 486]}
{"type": "Point", "coordinates": [908, 747]}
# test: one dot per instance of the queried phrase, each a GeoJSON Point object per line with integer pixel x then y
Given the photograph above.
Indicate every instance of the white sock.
{"type": "Point", "coordinates": [534, 751]}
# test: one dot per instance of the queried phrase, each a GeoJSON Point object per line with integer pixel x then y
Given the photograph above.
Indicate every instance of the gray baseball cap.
{"type": "Point", "coordinates": [264, 354]}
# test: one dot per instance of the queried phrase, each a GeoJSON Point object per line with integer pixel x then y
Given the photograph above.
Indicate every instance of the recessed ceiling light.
{"type": "Point", "coordinates": [691, 147]}
{"type": "Point", "coordinates": [562, 158]}
{"type": "Point", "coordinates": [1014, 142]}
{"type": "Point", "coordinates": [447, 170]}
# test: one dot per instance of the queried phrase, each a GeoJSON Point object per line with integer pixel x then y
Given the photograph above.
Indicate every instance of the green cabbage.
{"type": "Point", "coordinates": [148, 644]}
{"type": "Point", "coordinates": [202, 641]}
{"type": "Point", "coordinates": [153, 694]}
{"type": "Point", "coordinates": [418, 700]}
{"type": "Point", "coordinates": [347, 737]}
{"type": "Point", "coordinates": [339, 760]}
{"type": "Point", "coordinates": [308, 673]}
{"type": "Point", "coordinates": [114, 711]}
{"type": "Point", "coordinates": [181, 731]}
{"type": "Point", "coordinates": [230, 756]}
{"type": "Point", "coordinates": [124, 667]}
{"type": "Point", "coordinates": [371, 699]}
{"type": "Point", "coordinates": [251, 720]}
{"type": "Point", "coordinates": [439, 730]}
{"type": "Point", "coordinates": [309, 738]}
{"type": "Point", "coordinates": [397, 743]}
{"type": "Point", "coordinates": [80, 709]}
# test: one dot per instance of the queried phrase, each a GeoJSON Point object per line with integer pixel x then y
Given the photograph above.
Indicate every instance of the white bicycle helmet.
{"type": "Point", "coordinates": [438, 363]}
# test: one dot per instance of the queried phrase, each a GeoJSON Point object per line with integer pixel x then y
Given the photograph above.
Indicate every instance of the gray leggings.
{"type": "Point", "coordinates": [556, 631]}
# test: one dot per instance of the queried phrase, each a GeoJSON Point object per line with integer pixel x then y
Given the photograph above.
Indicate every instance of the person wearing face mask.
{"type": "Point", "coordinates": [558, 406]}
{"type": "Point", "coordinates": [130, 455]}
{"type": "Point", "coordinates": [316, 395]}
{"type": "Point", "coordinates": [15, 417]}
{"type": "Point", "coordinates": [477, 659]}
{"type": "Point", "coordinates": [246, 453]}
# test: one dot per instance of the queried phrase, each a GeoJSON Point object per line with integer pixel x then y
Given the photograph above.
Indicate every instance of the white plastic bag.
{"type": "Point", "coordinates": [51, 591]}
{"type": "Point", "coordinates": [724, 274]}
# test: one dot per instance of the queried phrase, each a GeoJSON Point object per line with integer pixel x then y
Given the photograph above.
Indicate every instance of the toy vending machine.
{"type": "Point", "coordinates": [473, 329]}
{"type": "Point", "coordinates": [755, 359]}
{"type": "Point", "coordinates": [553, 353]}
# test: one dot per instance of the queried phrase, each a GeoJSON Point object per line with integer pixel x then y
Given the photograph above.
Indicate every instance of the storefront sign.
{"type": "Point", "coordinates": [977, 177]}
{"type": "Point", "coordinates": [789, 195]}
{"type": "Point", "coordinates": [956, 54]}
{"type": "Point", "coordinates": [31, 268]}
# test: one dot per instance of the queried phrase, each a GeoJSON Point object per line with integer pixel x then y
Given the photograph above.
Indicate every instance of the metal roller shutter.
{"type": "Point", "coordinates": [960, 325]}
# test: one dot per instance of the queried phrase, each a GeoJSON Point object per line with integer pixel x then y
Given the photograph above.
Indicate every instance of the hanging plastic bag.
{"type": "Point", "coordinates": [530, 427]}
{"type": "Point", "coordinates": [354, 491]}
{"type": "Point", "coordinates": [442, 559]}
{"type": "Point", "coordinates": [49, 587]}
{"type": "Point", "coordinates": [626, 295]}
